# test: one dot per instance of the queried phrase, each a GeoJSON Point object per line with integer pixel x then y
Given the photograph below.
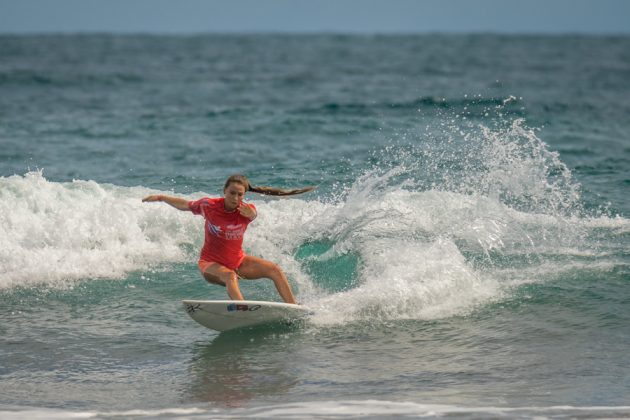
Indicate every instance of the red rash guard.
{"type": "Point", "coordinates": [223, 232]}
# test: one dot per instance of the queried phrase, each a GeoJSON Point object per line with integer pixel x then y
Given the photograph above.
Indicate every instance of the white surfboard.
{"type": "Point", "coordinates": [224, 315]}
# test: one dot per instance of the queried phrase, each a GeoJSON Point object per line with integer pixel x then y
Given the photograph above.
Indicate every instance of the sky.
{"type": "Point", "coordinates": [297, 16]}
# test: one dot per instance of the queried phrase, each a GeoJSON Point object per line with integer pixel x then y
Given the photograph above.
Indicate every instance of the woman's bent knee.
{"type": "Point", "coordinates": [229, 278]}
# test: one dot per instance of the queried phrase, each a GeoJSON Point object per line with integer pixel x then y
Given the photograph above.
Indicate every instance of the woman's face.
{"type": "Point", "coordinates": [233, 194]}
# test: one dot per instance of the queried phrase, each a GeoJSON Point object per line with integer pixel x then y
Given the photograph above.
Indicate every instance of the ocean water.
{"type": "Point", "coordinates": [466, 253]}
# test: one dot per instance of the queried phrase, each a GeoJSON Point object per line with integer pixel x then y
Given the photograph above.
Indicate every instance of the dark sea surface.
{"type": "Point", "coordinates": [465, 255]}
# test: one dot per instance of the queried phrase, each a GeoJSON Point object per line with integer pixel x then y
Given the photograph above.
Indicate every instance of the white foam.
{"type": "Point", "coordinates": [329, 410]}
{"type": "Point", "coordinates": [28, 413]}
{"type": "Point", "coordinates": [413, 281]}
{"type": "Point", "coordinates": [56, 233]}
{"type": "Point", "coordinates": [410, 266]}
{"type": "Point", "coordinates": [403, 409]}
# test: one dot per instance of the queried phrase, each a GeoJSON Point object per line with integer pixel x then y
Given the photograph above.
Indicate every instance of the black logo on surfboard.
{"type": "Point", "coordinates": [191, 309]}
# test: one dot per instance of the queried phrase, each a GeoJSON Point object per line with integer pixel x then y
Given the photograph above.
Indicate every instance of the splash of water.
{"type": "Point", "coordinates": [443, 226]}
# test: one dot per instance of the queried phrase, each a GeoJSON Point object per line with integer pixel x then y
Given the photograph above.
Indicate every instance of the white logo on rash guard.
{"type": "Point", "coordinates": [234, 232]}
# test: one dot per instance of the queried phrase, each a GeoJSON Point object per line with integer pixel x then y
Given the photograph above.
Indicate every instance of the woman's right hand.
{"type": "Point", "coordinates": [151, 198]}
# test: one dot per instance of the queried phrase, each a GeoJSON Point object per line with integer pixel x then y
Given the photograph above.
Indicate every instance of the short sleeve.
{"type": "Point", "coordinates": [195, 206]}
{"type": "Point", "coordinates": [255, 209]}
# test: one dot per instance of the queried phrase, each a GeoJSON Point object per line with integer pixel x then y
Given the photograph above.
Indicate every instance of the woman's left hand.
{"type": "Point", "coordinates": [247, 210]}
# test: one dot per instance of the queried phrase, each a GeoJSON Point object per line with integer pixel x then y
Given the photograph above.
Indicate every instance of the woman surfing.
{"type": "Point", "coordinates": [222, 260]}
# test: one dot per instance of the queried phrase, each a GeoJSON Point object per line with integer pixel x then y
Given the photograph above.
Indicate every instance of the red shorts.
{"type": "Point", "coordinates": [203, 264]}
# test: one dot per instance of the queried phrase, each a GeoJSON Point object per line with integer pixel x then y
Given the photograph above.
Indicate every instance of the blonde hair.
{"type": "Point", "coordinates": [242, 180]}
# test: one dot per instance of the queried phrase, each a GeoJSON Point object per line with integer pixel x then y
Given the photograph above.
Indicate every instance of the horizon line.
{"type": "Point", "coordinates": [317, 32]}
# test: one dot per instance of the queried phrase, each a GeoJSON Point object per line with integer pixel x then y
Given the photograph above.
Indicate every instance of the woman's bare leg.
{"type": "Point", "coordinates": [255, 268]}
{"type": "Point", "coordinates": [217, 274]}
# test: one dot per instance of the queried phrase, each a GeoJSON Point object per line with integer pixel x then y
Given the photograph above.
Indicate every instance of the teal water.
{"type": "Point", "coordinates": [464, 255]}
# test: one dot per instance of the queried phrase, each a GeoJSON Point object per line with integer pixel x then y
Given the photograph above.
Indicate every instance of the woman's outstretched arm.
{"type": "Point", "coordinates": [178, 203]}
